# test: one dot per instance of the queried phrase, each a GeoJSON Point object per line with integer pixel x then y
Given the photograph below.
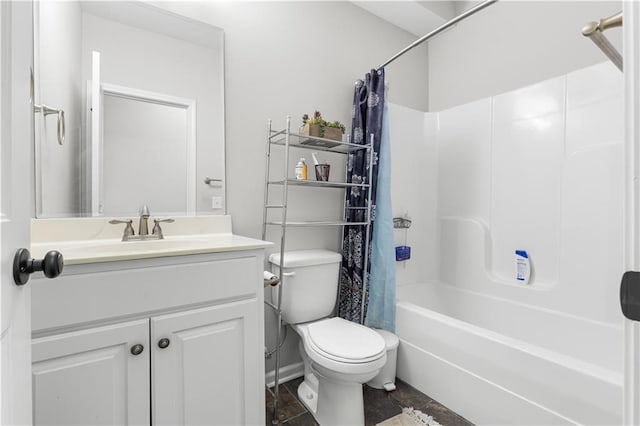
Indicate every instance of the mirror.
{"type": "Point", "coordinates": [132, 127]}
{"type": "Point", "coordinates": [131, 111]}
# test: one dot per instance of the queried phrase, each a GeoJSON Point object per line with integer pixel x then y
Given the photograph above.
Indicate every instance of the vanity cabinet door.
{"type": "Point", "coordinates": [95, 376]}
{"type": "Point", "coordinates": [210, 372]}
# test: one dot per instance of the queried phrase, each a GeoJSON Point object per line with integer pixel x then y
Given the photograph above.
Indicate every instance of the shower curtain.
{"type": "Point", "coordinates": [367, 120]}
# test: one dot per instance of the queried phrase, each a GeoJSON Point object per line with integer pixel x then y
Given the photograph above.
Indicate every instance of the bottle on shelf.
{"type": "Point", "coordinates": [301, 170]}
{"type": "Point", "coordinates": [523, 266]}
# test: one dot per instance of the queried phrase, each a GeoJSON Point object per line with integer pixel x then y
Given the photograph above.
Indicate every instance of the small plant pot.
{"type": "Point", "coordinates": [319, 131]}
{"type": "Point", "coordinates": [333, 133]}
{"type": "Point", "coordinates": [311, 130]}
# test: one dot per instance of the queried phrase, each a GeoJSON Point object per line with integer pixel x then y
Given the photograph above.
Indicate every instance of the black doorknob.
{"type": "Point", "coordinates": [24, 265]}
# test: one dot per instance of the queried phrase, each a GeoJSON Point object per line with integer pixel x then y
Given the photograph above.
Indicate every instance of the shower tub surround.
{"type": "Point", "coordinates": [537, 169]}
{"type": "Point", "coordinates": [513, 371]}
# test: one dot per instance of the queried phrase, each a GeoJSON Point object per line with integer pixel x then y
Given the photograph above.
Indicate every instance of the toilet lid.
{"type": "Point", "coordinates": [345, 341]}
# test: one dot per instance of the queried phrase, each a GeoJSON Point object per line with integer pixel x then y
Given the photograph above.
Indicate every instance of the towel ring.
{"type": "Point", "coordinates": [47, 110]}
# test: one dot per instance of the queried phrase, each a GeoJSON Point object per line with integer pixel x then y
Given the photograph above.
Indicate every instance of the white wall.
{"type": "Point", "coordinates": [290, 58]}
{"type": "Point", "coordinates": [414, 191]}
{"type": "Point", "coordinates": [512, 44]}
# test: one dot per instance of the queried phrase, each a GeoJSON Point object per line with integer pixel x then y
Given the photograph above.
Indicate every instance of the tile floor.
{"type": "Point", "coordinates": [379, 405]}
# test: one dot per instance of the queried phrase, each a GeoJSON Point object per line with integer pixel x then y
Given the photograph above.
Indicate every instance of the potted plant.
{"type": "Point", "coordinates": [319, 127]}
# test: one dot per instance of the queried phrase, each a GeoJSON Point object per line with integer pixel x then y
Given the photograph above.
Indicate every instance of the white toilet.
{"type": "Point", "coordinates": [339, 355]}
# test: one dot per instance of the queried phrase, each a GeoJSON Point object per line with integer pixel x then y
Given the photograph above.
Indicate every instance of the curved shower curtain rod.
{"type": "Point", "coordinates": [438, 30]}
{"type": "Point", "coordinates": [594, 30]}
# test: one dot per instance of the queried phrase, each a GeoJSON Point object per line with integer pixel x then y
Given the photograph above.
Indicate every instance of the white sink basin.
{"type": "Point", "coordinates": [94, 240]}
{"type": "Point", "coordinates": [144, 246]}
{"type": "Point", "coordinates": [108, 250]}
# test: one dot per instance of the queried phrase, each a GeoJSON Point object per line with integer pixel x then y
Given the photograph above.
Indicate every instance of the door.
{"type": "Point", "coordinates": [16, 207]}
{"type": "Point", "coordinates": [97, 376]}
{"type": "Point", "coordinates": [631, 35]}
{"type": "Point", "coordinates": [206, 366]}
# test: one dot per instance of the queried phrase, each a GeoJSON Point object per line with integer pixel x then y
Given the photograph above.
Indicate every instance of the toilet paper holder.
{"type": "Point", "coordinates": [270, 279]}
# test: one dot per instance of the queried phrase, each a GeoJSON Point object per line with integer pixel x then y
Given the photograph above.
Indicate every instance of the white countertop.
{"type": "Point", "coordinates": [93, 240]}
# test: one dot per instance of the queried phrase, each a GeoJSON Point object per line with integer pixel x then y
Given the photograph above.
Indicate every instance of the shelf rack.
{"type": "Point", "coordinates": [287, 140]}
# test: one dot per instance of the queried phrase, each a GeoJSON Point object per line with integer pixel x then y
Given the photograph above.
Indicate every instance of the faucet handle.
{"type": "Point", "coordinates": [128, 229]}
{"type": "Point", "coordinates": [157, 231]}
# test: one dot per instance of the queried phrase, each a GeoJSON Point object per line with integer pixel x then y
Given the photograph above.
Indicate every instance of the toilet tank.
{"type": "Point", "coordinates": [309, 283]}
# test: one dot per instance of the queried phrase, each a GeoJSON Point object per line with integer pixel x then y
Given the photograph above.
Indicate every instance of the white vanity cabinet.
{"type": "Point", "coordinates": [90, 376]}
{"type": "Point", "coordinates": [163, 341]}
{"type": "Point", "coordinates": [202, 377]}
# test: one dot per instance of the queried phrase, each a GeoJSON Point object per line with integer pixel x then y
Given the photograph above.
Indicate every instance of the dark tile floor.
{"type": "Point", "coordinates": [379, 405]}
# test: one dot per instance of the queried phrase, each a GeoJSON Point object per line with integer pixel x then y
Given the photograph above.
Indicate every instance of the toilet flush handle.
{"type": "Point", "coordinates": [288, 274]}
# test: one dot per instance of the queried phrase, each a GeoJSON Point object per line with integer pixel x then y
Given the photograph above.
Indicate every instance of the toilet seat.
{"type": "Point", "coordinates": [344, 341]}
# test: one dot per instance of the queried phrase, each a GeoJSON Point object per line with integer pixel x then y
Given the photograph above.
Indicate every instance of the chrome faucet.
{"type": "Point", "coordinates": [143, 227]}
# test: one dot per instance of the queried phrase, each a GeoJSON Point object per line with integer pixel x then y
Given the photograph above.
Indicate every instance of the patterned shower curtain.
{"type": "Point", "coordinates": [368, 106]}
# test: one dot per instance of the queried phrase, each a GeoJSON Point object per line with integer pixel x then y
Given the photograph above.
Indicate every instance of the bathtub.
{"type": "Point", "coordinates": [498, 362]}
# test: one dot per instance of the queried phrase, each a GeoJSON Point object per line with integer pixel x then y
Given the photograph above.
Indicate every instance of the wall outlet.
{"type": "Point", "coordinates": [216, 202]}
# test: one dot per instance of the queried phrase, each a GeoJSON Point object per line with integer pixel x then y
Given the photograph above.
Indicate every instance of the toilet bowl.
{"type": "Point", "coordinates": [339, 356]}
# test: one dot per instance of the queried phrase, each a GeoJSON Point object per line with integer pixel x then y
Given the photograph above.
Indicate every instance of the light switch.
{"type": "Point", "coordinates": [216, 202]}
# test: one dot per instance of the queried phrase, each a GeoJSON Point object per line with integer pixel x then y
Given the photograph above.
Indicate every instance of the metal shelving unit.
{"type": "Point", "coordinates": [290, 140]}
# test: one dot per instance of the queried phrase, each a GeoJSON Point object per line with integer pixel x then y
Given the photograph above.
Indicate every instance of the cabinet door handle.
{"type": "Point", "coordinates": [137, 349]}
{"type": "Point", "coordinates": [163, 343]}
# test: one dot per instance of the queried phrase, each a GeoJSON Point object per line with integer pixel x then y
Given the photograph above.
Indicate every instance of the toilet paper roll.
{"type": "Point", "coordinates": [270, 279]}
